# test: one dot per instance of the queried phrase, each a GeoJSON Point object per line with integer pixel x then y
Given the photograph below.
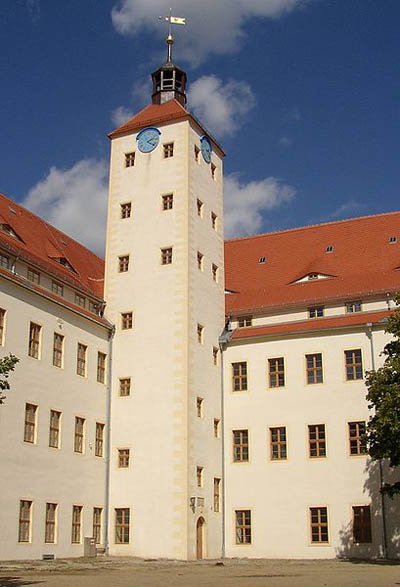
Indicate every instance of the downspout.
{"type": "Point", "coordinates": [383, 507]}
{"type": "Point", "coordinates": [223, 343]}
{"type": "Point", "coordinates": [108, 444]}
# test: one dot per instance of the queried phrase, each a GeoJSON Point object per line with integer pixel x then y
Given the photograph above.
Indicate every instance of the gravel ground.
{"type": "Point", "coordinates": [130, 572]}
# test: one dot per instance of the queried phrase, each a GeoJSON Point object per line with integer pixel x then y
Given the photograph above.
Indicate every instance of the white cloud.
{"type": "Point", "coordinates": [212, 26]}
{"type": "Point", "coordinates": [245, 203]}
{"type": "Point", "coordinates": [75, 201]}
{"type": "Point", "coordinates": [347, 208]}
{"type": "Point", "coordinates": [120, 115]}
{"type": "Point", "coordinates": [221, 107]}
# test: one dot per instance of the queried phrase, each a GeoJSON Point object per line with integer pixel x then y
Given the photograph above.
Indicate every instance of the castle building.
{"type": "Point", "coordinates": [189, 398]}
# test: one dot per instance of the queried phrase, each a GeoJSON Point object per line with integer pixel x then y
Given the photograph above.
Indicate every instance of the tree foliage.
{"type": "Point", "coordinates": [383, 429]}
{"type": "Point", "coordinates": [7, 365]}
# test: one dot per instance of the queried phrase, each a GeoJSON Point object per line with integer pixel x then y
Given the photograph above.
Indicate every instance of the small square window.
{"type": "Point", "coordinates": [127, 320]}
{"type": "Point", "coordinates": [200, 261]}
{"type": "Point", "coordinates": [129, 159]}
{"type": "Point", "coordinates": [167, 202]}
{"type": "Point", "coordinates": [214, 221]}
{"type": "Point", "coordinates": [125, 386]}
{"type": "Point", "coordinates": [200, 206]}
{"type": "Point", "coordinates": [166, 256]}
{"type": "Point", "coordinates": [123, 263]}
{"type": "Point", "coordinates": [168, 150]}
{"type": "Point", "coordinates": [316, 312]}
{"type": "Point", "coordinates": [200, 333]}
{"type": "Point", "coordinates": [126, 210]}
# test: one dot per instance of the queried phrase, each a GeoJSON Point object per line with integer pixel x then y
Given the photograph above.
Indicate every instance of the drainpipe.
{"type": "Point", "coordinates": [383, 507]}
{"type": "Point", "coordinates": [223, 343]}
{"type": "Point", "coordinates": [108, 444]}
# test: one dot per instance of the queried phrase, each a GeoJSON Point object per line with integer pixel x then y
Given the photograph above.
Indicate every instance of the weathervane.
{"type": "Point", "coordinates": [171, 39]}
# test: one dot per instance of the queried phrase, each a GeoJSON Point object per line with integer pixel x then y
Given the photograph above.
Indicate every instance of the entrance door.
{"type": "Point", "coordinates": [200, 538]}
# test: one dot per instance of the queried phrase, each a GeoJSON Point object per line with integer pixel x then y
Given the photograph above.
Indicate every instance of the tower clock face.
{"type": "Point", "coordinates": [206, 149]}
{"type": "Point", "coordinates": [148, 139]}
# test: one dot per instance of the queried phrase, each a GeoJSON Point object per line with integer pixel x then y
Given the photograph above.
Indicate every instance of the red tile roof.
{"type": "Point", "coordinates": [312, 325]}
{"type": "Point", "coordinates": [154, 114]}
{"type": "Point", "coordinates": [362, 263]}
{"type": "Point", "coordinates": [42, 244]}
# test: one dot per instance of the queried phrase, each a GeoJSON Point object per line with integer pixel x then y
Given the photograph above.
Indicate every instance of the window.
{"type": "Point", "coordinates": [54, 434]}
{"type": "Point", "coordinates": [216, 427]}
{"type": "Point", "coordinates": [276, 368]}
{"type": "Point", "coordinates": [166, 256]}
{"type": "Point", "coordinates": [278, 443]}
{"type": "Point", "coordinates": [213, 170]}
{"type": "Point", "coordinates": [199, 476]}
{"type": "Point", "coordinates": [99, 445]}
{"type": "Point", "coordinates": [80, 300]}
{"type": "Point", "coordinates": [50, 528]}
{"type": "Point", "coordinates": [199, 407]}
{"type": "Point", "coordinates": [196, 154]}
{"type": "Point", "coordinates": [362, 524]}
{"type": "Point", "coordinates": [357, 444]}
{"type": "Point", "coordinates": [58, 346]}
{"type": "Point", "coordinates": [352, 307]}
{"type": "Point", "coordinates": [244, 321]}
{"type": "Point", "coordinates": [57, 288]}
{"type": "Point", "coordinates": [2, 325]}
{"type": "Point", "coordinates": [239, 376]}
{"type": "Point", "coordinates": [217, 483]}
{"type": "Point", "coordinates": [240, 445]}
{"type": "Point", "coordinates": [125, 386]}
{"type": "Point", "coordinates": [243, 526]}
{"type": "Point", "coordinates": [30, 423]}
{"type": "Point", "coordinates": [319, 525]}
{"type": "Point", "coordinates": [76, 524]}
{"type": "Point", "coordinates": [199, 261]}
{"type": "Point", "coordinates": [126, 210]}
{"type": "Point", "coordinates": [122, 525]}
{"type": "Point", "coordinates": [4, 261]}
{"type": "Point", "coordinates": [129, 159]}
{"type": "Point", "coordinates": [34, 340]}
{"type": "Point", "coordinates": [126, 320]}
{"type": "Point", "coordinates": [81, 360]}
{"type": "Point", "coordinates": [168, 150]}
{"type": "Point", "coordinates": [200, 333]}
{"type": "Point", "coordinates": [33, 276]}
{"type": "Point", "coordinates": [97, 517]}
{"type": "Point", "coordinates": [312, 276]}
{"type": "Point", "coordinates": [213, 221]}
{"type": "Point", "coordinates": [261, 260]}
{"type": "Point", "coordinates": [317, 441]}
{"type": "Point", "coordinates": [392, 240]}
{"type": "Point", "coordinates": [123, 458]}
{"type": "Point", "coordinates": [167, 202]}
{"type": "Point", "coordinates": [200, 207]}
{"type": "Point", "coordinates": [123, 263]}
{"type": "Point", "coordinates": [24, 526]}
{"type": "Point", "coordinates": [101, 367]}
{"type": "Point", "coordinates": [314, 368]}
{"type": "Point", "coordinates": [329, 249]}
{"type": "Point", "coordinates": [214, 270]}
{"type": "Point", "coordinates": [215, 356]}
{"type": "Point", "coordinates": [316, 312]}
{"type": "Point", "coordinates": [354, 368]}
{"type": "Point", "coordinates": [79, 432]}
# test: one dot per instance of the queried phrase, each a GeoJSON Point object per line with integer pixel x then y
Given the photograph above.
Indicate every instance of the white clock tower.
{"type": "Point", "coordinates": [165, 294]}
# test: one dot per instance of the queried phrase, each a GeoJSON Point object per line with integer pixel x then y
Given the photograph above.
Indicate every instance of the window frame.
{"type": "Point", "coordinates": [130, 159]}
{"type": "Point", "coordinates": [361, 448]}
{"type": "Point", "coordinates": [354, 365]}
{"type": "Point", "coordinates": [127, 320]}
{"type": "Point", "coordinates": [167, 202]}
{"type": "Point", "coordinates": [278, 373]}
{"type": "Point", "coordinates": [168, 150]}
{"type": "Point", "coordinates": [76, 524]}
{"type": "Point", "coordinates": [123, 458]}
{"type": "Point", "coordinates": [34, 341]}
{"type": "Point", "coordinates": [81, 359]}
{"type": "Point", "coordinates": [97, 525]}
{"type": "Point", "coordinates": [355, 304]}
{"type": "Point", "coordinates": [243, 527]}
{"type": "Point", "coordinates": [315, 369]}
{"type": "Point", "coordinates": [316, 312]}
{"type": "Point", "coordinates": [101, 370]}
{"type": "Point", "coordinates": [58, 350]}
{"type": "Point", "coordinates": [281, 444]}
{"type": "Point", "coordinates": [241, 449]}
{"type": "Point", "coordinates": [319, 443]}
{"type": "Point", "coordinates": [30, 426]}
{"type": "Point", "coordinates": [121, 386]}
{"type": "Point", "coordinates": [123, 263]}
{"type": "Point", "coordinates": [361, 532]}
{"type": "Point", "coordinates": [320, 525]}
{"type": "Point", "coordinates": [99, 439]}
{"type": "Point", "coordinates": [55, 429]}
{"type": "Point", "coordinates": [125, 210]}
{"type": "Point", "coordinates": [25, 522]}
{"type": "Point", "coordinates": [240, 380]}
{"type": "Point", "coordinates": [79, 435]}
{"type": "Point", "coordinates": [50, 529]}
{"type": "Point", "coordinates": [30, 272]}
{"type": "Point", "coordinates": [123, 525]}
{"type": "Point", "coordinates": [166, 256]}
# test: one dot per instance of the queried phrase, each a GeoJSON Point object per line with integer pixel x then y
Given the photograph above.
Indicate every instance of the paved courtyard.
{"type": "Point", "coordinates": [112, 572]}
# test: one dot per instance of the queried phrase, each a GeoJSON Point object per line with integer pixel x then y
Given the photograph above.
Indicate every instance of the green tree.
{"type": "Point", "coordinates": [383, 428]}
{"type": "Point", "coordinates": [7, 365]}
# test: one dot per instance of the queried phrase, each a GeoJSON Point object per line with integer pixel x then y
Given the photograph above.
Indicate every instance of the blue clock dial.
{"type": "Point", "coordinates": [148, 139]}
{"type": "Point", "coordinates": [206, 149]}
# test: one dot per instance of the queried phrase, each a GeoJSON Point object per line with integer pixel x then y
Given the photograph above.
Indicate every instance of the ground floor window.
{"type": "Point", "coordinates": [243, 526]}
{"type": "Point", "coordinates": [362, 524]}
{"type": "Point", "coordinates": [122, 520]}
{"type": "Point", "coordinates": [319, 525]}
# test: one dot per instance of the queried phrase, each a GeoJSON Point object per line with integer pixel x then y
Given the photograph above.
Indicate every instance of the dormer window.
{"type": "Point", "coordinates": [261, 260]}
{"type": "Point", "coordinates": [392, 240]}
{"type": "Point", "coordinates": [312, 276]}
{"type": "Point", "coordinates": [63, 261]}
{"type": "Point", "coordinates": [316, 312]}
{"type": "Point", "coordinates": [352, 307]}
{"type": "Point", "coordinates": [329, 249]}
{"type": "Point", "coordinates": [10, 231]}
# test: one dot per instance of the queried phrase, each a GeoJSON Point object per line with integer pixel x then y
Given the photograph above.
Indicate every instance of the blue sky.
{"type": "Point", "coordinates": [304, 96]}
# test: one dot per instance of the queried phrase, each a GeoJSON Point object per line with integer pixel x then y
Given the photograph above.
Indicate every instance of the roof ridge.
{"type": "Point", "coordinates": [273, 232]}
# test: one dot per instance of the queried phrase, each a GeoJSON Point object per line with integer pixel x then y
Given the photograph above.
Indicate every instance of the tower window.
{"type": "Point", "coordinates": [125, 386]}
{"type": "Point", "coordinates": [166, 256]}
{"type": "Point", "coordinates": [214, 270]}
{"type": "Point", "coordinates": [129, 159]}
{"type": "Point", "coordinates": [199, 407]}
{"type": "Point", "coordinates": [199, 476]}
{"type": "Point", "coordinates": [168, 150]}
{"type": "Point", "coordinates": [167, 202]}
{"type": "Point", "coordinates": [213, 221]}
{"type": "Point", "coordinates": [200, 207]}
{"type": "Point", "coordinates": [196, 153]}
{"type": "Point", "coordinates": [126, 210]}
{"type": "Point", "coordinates": [200, 261]}
{"type": "Point", "coordinates": [213, 170]}
{"type": "Point", "coordinates": [123, 263]}
{"type": "Point", "coordinates": [127, 320]}
{"type": "Point", "coordinates": [200, 333]}
{"type": "Point", "coordinates": [215, 356]}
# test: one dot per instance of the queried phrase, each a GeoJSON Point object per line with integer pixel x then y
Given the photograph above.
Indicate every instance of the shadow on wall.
{"type": "Point", "coordinates": [375, 550]}
{"type": "Point", "coordinates": [16, 582]}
